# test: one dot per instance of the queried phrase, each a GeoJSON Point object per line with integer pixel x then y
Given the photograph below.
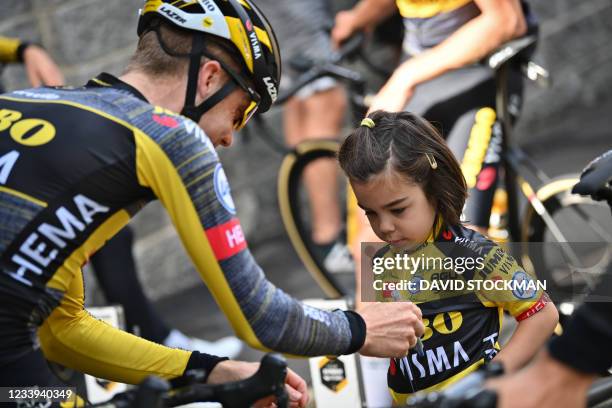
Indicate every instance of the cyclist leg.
{"type": "Point", "coordinates": [323, 120]}
{"type": "Point", "coordinates": [316, 112]}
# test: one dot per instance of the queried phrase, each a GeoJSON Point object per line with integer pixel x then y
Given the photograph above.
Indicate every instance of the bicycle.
{"type": "Point", "coordinates": [153, 392]}
{"type": "Point", "coordinates": [550, 214]}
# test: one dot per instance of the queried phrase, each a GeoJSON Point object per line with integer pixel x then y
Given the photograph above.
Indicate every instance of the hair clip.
{"type": "Point", "coordinates": [367, 122]}
{"type": "Point", "coordinates": [432, 161]}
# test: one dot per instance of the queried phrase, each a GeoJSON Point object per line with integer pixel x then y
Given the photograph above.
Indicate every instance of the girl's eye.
{"type": "Point", "coordinates": [398, 211]}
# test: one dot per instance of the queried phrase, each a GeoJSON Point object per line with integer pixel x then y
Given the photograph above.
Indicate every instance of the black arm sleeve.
{"type": "Point", "coordinates": [585, 343]}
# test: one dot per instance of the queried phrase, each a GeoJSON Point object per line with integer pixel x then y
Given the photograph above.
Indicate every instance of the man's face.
{"type": "Point", "coordinates": [220, 122]}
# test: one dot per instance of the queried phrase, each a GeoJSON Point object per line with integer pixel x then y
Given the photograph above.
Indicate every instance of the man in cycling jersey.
{"type": "Point", "coordinates": [77, 163]}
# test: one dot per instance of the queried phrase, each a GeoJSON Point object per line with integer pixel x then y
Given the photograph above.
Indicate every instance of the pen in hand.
{"type": "Point", "coordinates": [419, 347]}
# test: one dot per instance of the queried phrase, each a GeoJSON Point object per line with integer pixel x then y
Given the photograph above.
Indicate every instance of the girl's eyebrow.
{"type": "Point", "coordinates": [391, 204]}
{"type": "Point", "coordinates": [395, 202]}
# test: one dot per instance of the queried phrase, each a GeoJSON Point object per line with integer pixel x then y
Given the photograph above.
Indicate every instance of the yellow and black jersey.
{"type": "Point", "coordinates": [9, 49]}
{"type": "Point", "coordinates": [427, 23]}
{"type": "Point", "coordinates": [428, 8]}
{"type": "Point", "coordinates": [75, 165]}
{"type": "Point", "coordinates": [462, 323]}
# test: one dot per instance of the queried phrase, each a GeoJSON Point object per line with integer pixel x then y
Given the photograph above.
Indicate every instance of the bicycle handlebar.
{"type": "Point", "coordinates": [314, 70]}
{"type": "Point", "coordinates": [269, 380]}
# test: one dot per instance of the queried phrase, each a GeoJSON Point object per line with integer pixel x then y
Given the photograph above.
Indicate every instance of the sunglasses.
{"type": "Point", "coordinates": [253, 95]}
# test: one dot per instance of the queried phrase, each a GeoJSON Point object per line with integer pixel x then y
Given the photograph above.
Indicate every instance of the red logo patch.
{"type": "Point", "coordinates": [447, 235]}
{"type": "Point", "coordinates": [486, 178]}
{"type": "Point", "coordinates": [249, 25]}
{"type": "Point", "coordinates": [226, 239]}
{"type": "Point", "coordinates": [166, 121]}
{"type": "Point", "coordinates": [392, 367]}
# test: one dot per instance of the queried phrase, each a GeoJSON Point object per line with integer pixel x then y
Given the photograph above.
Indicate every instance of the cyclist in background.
{"type": "Point", "coordinates": [315, 112]}
{"type": "Point", "coordinates": [39, 66]}
{"type": "Point", "coordinates": [95, 155]}
{"type": "Point", "coordinates": [441, 79]}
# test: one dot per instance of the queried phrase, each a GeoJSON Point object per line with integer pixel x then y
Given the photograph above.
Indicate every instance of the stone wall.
{"type": "Point", "coordinates": [89, 36]}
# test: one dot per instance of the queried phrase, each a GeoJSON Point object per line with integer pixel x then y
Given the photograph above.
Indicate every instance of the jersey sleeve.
{"type": "Point", "coordinates": [72, 337]}
{"type": "Point", "coordinates": [183, 170]}
{"type": "Point", "coordinates": [514, 289]}
{"type": "Point", "coordinates": [8, 49]}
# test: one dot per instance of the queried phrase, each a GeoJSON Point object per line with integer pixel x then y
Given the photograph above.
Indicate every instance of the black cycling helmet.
{"type": "Point", "coordinates": [238, 21]}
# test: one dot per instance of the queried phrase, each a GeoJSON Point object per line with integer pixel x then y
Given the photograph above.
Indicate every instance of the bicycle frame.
{"type": "Point", "coordinates": [520, 171]}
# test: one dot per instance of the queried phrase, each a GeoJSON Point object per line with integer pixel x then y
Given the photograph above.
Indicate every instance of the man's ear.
{"type": "Point", "coordinates": [210, 79]}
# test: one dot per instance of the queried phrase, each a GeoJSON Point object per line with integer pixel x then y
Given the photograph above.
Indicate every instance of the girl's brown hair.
{"type": "Point", "coordinates": [402, 141]}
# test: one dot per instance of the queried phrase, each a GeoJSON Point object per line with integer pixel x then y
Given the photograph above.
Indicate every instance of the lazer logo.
{"type": "Point", "coordinates": [173, 15]}
{"type": "Point", "coordinates": [271, 88]}
{"type": "Point", "coordinates": [255, 44]}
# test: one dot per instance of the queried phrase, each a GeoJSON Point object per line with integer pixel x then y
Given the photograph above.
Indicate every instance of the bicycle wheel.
{"type": "Point", "coordinates": [295, 211]}
{"type": "Point", "coordinates": [571, 252]}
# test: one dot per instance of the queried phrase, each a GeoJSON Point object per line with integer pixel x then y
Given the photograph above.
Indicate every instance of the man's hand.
{"type": "Point", "coordinates": [230, 370]}
{"type": "Point", "coordinates": [392, 328]}
{"type": "Point", "coordinates": [546, 383]}
{"type": "Point", "coordinates": [396, 93]}
{"type": "Point", "coordinates": [41, 68]}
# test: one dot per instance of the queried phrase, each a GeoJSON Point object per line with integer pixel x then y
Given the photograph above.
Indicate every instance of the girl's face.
{"type": "Point", "coordinates": [398, 209]}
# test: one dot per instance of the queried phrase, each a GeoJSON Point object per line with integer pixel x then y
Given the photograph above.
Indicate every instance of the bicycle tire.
{"type": "Point", "coordinates": [289, 187]}
{"type": "Point", "coordinates": [559, 202]}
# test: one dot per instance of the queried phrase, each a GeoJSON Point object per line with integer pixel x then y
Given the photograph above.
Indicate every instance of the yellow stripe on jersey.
{"type": "Point", "coordinates": [62, 278]}
{"type": "Point", "coordinates": [156, 171]}
{"type": "Point", "coordinates": [72, 337]}
{"type": "Point", "coordinates": [427, 8]}
{"type": "Point", "coordinates": [23, 196]}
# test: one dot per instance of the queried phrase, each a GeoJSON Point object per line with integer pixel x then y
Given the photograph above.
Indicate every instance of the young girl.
{"type": "Point", "coordinates": [412, 190]}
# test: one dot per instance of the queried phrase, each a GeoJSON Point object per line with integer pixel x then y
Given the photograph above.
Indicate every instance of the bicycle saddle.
{"type": "Point", "coordinates": [596, 178]}
{"type": "Point", "coordinates": [511, 49]}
